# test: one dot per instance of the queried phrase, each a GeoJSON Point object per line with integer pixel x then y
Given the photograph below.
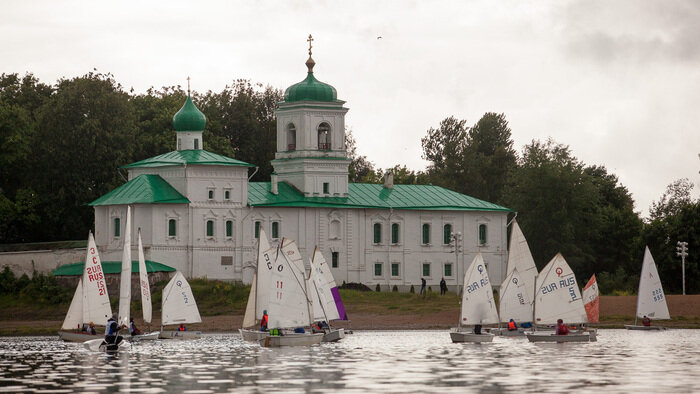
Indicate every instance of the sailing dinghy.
{"type": "Point", "coordinates": [259, 291]}
{"type": "Point", "coordinates": [478, 306]}
{"type": "Point", "coordinates": [179, 307]}
{"type": "Point", "coordinates": [591, 300]}
{"type": "Point", "coordinates": [651, 300]}
{"type": "Point", "coordinates": [289, 303]}
{"type": "Point", "coordinates": [327, 305]}
{"type": "Point", "coordinates": [557, 296]}
{"type": "Point", "coordinates": [90, 301]}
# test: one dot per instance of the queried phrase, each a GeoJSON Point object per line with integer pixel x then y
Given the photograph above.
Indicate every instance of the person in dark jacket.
{"type": "Point", "coordinates": [422, 286]}
{"type": "Point", "coordinates": [443, 287]}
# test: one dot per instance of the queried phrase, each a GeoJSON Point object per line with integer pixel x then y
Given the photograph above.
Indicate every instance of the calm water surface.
{"type": "Point", "coordinates": [374, 361]}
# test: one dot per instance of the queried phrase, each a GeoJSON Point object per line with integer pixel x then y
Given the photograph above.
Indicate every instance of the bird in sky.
{"type": "Point", "coordinates": [379, 38]}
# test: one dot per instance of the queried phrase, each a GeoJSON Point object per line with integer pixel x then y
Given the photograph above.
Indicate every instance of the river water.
{"type": "Point", "coordinates": [367, 361]}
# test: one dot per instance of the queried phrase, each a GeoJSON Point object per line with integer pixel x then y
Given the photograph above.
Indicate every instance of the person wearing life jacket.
{"type": "Point", "coordinates": [562, 329]}
{"type": "Point", "coordinates": [316, 328]}
{"type": "Point", "coordinates": [182, 327]}
{"type": "Point", "coordinates": [91, 329]}
{"type": "Point", "coordinates": [133, 329]}
{"type": "Point", "coordinates": [112, 336]}
{"type": "Point", "coordinates": [646, 321]}
{"type": "Point", "coordinates": [264, 321]}
{"type": "Point", "coordinates": [512, 326]}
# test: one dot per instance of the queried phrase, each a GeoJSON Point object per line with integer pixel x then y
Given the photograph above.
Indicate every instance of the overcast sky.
{"type": "Point", "coordinates": [617, 81]}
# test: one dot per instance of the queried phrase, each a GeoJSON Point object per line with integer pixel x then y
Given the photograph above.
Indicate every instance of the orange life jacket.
{"type": "Point", "coordinates": [263, 321]}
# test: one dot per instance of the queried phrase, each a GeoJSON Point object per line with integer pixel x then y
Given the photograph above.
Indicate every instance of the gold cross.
{"type": "Point", "coordinates": [188, 85]}
{"type": "Point", "coordinates": [310, 40]}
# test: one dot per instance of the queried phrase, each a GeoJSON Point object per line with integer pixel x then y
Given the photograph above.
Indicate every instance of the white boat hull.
{"type": "Point", "coordinates": [151, 336]}
{"type": "Point", "coordinates": [575, 337]}
{"type": "Point", "coordinates": [504, 332]}
{"type": "Point", "coordinates": [291, 340]}
{"type": "Point", "coordinates": [253, 335]}
{"type": "Point", "coordinates": [468, 336]}
{"type": "Point", "coordinates": [74, 336]}
{"type": "Point", "coordinates": [644, 328]}
{"type": "Point", "coordinates": [334, 335]}
{"type": "Point", "coordinates": [166, 334]}
{"type": "Point", "coordinates": [99, 345]}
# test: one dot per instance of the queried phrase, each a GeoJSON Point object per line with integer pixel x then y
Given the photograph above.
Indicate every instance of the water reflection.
{"type": "Point", "coordinates": [395, 361]}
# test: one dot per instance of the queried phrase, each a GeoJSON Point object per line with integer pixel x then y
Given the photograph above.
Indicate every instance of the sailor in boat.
{"type": "Point", "coordinates": [264, 321]}
{"type": "Point", "coordinates": [316, 328]}
{"type": "Point", "coordinates": [112, 336]}
{"type": "Point", "coordinates": [512, 326]}
{"type": "Point", "coordinates": [182, 327]}
{"type": "Point", "coordinates": [646, 321]}
{"type": "Point", "coordinates": [91, 329]}
{"type": "Point", "coordinates": [562, 329]}
{"type": "Point", "coordinates": [133, 330]}
{"type": "Point", "coordinates": [477, 329]}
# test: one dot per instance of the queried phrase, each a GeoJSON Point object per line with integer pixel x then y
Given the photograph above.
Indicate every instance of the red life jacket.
{"type": "Point", "coordinates": [511, 326]}
{"type": "Point", "coordinates": [181, 328]}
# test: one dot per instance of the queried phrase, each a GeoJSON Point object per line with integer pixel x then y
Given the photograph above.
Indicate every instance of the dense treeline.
{"type": "Point", "coordinates": [62, 145]}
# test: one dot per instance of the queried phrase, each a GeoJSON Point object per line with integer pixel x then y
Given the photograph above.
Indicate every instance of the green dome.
{"type": "Point", "coordinates": [189, 118]}
{"type": "Point", "coordinates": [310, 89]}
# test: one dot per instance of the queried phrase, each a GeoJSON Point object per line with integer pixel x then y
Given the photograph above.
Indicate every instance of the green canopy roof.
{"type": "Point", "coordinates": [144, 189]}
{"type": "Point", "coordinates": [191, 156]}
{"type": "Point", "coordinates": [369, 195]}
{"type": "Point", "coordinates": [110, 267]}
{"type": "Point", "coordinates": [189, 118]}
{"type": "Point", "coordinates": [310, 89]}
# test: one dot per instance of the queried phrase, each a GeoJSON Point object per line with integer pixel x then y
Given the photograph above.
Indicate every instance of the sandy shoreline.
{"type": "Point", "coordinates": [615, 311]}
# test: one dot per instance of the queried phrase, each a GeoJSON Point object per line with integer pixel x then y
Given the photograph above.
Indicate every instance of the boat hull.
{"type": "Point", "coordinates": [74, 336]}
{"type": "Point", "coordinates": [582, 337]}
{"type": "Point", "coordinates": [99, 345]}
{"type": "Point", "coordinates": [151, 336]}
{"type": "Point", "coordinates": [253, 335]}
{"type": "Point", "coordinates": [644, 328]}
{"type": "Point", "coordinates": [334, 335]}
{"type": "Point", "coordinates": [504, 332]}
{"type": "Point", "coordinates": [467, 336]}
{"type": "Point", "coordinates": [167, 334]}
{"type": "Point", "coordinates": [291, 340]}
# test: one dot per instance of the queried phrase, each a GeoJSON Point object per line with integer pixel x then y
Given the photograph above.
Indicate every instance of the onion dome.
{"type": "Point", "coordinates": [310, 89]}
{"type": "Point", "coordinates": [189, 118]}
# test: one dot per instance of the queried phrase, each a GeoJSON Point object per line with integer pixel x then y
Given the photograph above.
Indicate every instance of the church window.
{"type": "Point", "coordinates": [378, 269]}
{"type": "Point", "coordinates": [426, 269]}
{"type": "Point", "coordinates": [448, 269]}
{"type": "Point", "coordinates": [394, 233]}
{"type": "Point", "coordinates": [447, 234]}
{"type": "Point", "coordinates": [210, 228]}
{"type": "Point", "coordinates": [326, 187]}
{"type": "Point", "coordinates": [196, 143]}
{"type": "Point", "coordinates": [179, 143]}
{"type": "Point", "coordinates": [324, 136]}
{"type": "Point", "coordinates": [426, 233]}
{"type": "Point", "coordinates": [227, 195]}
{"type": "Point", "coordinates": [482, 234]}
{"type": "Point", "coordinates": [229, 228]}
{"type": "Point", "coordinates": [291, 137]}
{"type": "Point", "coordinates": [377, 233]}
{"type": "Point", "coordinates": [172, 227]}
{"type": "Point", "coordinates": [257, 229]}
{"type": "Point", "coordinates": [394, 269]}
{"type": "Point", "coordinates": [211, 194]}
{"type": "Point", "coordinates": [117, 227]}
{"type": "Point", "coordinates": [275, 230]}
{"type": "Point", "coordinates": [334, 259]}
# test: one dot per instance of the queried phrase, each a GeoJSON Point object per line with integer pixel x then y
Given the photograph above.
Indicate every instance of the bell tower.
{"type": "Point", "coordinates": [311, 152]}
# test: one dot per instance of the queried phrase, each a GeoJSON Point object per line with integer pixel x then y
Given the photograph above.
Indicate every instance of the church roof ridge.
{"type": "Point", "coordinates": [189, 157]}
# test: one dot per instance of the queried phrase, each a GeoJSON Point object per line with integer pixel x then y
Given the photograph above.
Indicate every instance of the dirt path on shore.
{"type": "Point", "coordinates": [614, 312]}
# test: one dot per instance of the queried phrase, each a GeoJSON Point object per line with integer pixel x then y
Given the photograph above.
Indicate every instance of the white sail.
{"type": "Point", "coordinates": [249, 317]}
{"type": "Point", "coordinates": [288, 305]}
{"type": "Point", "coordinates": [519, 257]}
{"type": "Point", "coordinates": [74, 317]}
{"type": "Point", "coordinates": [514, 302]}
{"type": "Point", "coordinates": [651, 300]}
{"type": "Point", "coordinates": [179, 305]}
{"type": "Point", "coordinates": [145, 287]}
{"type": "Point", "coordinates": [125, 277]}
{"type": "Point", "coordinates": [96, 306]}
{"type": "Point", "coordinates": [478, 306]}
{"type": "Point", "coordinates": [266, 261]}
{"type": "Point", "coordinates": [323, 280]}
{"type": "Point", "coordinates": [558, 295]}
{"type": "Point", "coordinates": [317, 312]}
{"type": "Point", "coordinates": [591, 300]}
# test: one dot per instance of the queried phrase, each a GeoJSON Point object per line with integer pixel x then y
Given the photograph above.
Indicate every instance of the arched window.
{"type": "Point", "coordinates": [394, 233]}
{"type": "Point", "coordinates": [426, 233]}
{"type": "Point", "coordinates": [482, 234]}
{"type": "Point", "coordinates": [172, 227]}
{"type": "Point", "coordinates": [117, 227]}
{"type": "Point", "coordinates": [377, 233]}
{"type": "Point", "coordinates": [447, 234]}
{"type": "Point", "coordinates": [335, 229]}
{"type": "Point", "coordinates": [210, 228]}
{"type": "Point", "coordinates": [196, 143]}
{"type": "Point", "coordinates": [257, 229]}
{"type": "Point", "coordinates": [324, 136]}
{"type": "Point", "coordinates": [291, 137]}
{"type": "Point", "coordinates": [229, 228]}
{"type": "Point", "coordinates": [275, 230]}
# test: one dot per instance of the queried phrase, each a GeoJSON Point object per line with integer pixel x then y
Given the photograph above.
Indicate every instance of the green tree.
{"type": "Point", "coordinates": [360, 170]}
{"type": "Point", "coordinates": [444, 149]}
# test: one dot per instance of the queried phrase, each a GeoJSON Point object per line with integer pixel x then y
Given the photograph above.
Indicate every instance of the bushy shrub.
{"type": "Point", "coordinates": [395, 289]}
{"type": "Point", "coordinates": [378, 288]}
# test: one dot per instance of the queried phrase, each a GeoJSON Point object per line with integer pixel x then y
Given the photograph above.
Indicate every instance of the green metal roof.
{"type": "Point", "coordinates": [111, 267]}
{"type": "Point", "coordinates": [310, 89]}
{"type": "Point", "coordinates": [144, 189]}
{"type": "Point", "coordinates": [189, 157]}
{"type": "Point", "coordinates": [370, 195]}
{"type": "Point", "coordinates": [189, 118]}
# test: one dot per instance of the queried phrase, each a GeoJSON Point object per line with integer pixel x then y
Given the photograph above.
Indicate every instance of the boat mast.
{"type": "Point", "coordinates": [534, 305]}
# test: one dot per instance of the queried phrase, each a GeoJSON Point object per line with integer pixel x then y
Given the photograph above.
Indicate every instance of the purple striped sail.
{"type": "Point", "coordinates": [339, 304]}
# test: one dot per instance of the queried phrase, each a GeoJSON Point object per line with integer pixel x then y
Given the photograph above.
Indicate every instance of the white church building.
{"type": "Point", "coordinates": [199, 214]}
